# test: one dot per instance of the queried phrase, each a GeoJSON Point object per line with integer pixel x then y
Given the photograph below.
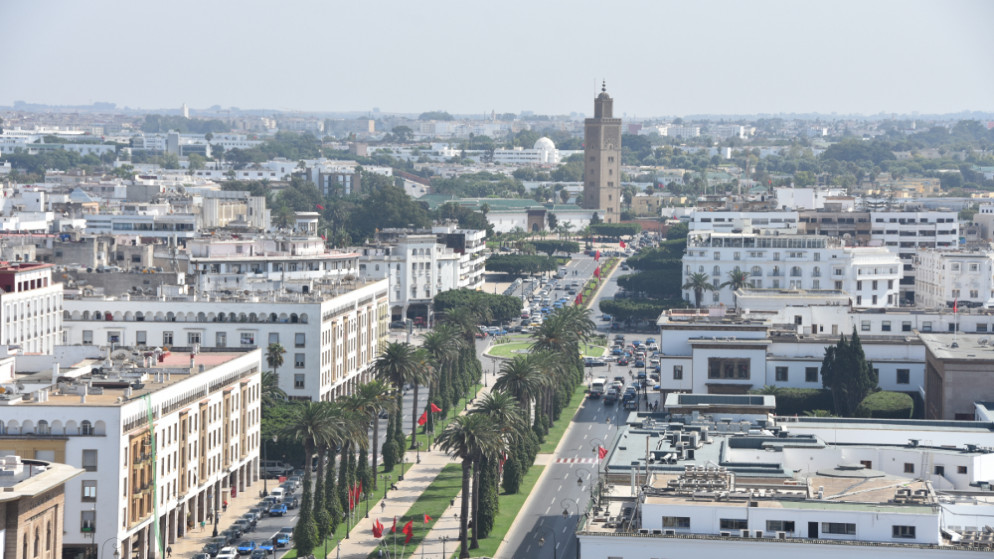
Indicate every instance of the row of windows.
{"type": "Point", "coordinates": [834, 528]}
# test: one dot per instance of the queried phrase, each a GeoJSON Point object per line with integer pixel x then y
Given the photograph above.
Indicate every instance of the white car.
{"type": "Point", "coordinates": [227, 553]}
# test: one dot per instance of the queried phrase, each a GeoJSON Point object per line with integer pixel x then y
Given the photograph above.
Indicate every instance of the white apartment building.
{"type": "Point", "coordinates": [905, 233]}
{"type": "Point", "coordinates": [299, 262]}
{"type": "Point", "coordinates": [417, 268]}
{"type": "Point", "coordinates": [738, 222]}
{"type": "Point", "coordinates": [146, 226]}
{"type": "Point", "coordinates": [30, 308]}
{"type": "Point", "coordinates": [331, 335]}
{"type": "Point", "coordinates": [944, 277]}
{"type": "Point", "coordinates": [869, 275]}
{"type": "Point", "coordinates": [162, 441]}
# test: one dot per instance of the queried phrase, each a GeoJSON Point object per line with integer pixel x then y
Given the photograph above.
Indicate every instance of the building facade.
{"type": "Point", "coordinates": [30, 308]}
{"type": "Point", "coordinates": [947, 277]}
{"type": "Point", "coordinates": [32, 507]}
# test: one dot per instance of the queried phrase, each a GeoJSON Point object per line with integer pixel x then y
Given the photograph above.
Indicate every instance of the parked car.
{"type": "Point", "coordinates": [259, 554]}
{"type": "Point", "coordinates": [212, 547]}
{"type": "Point", "coordinates": [201, 556]}
{"type": "Point", "coordinates": [278, 510]}
{"type": "Point", "coordinates": [246, 547]}
{"type": "Point", "coordinates": [227, 553]}
{"type": "Point", "coordinates": [283, 538]}
{"type": "Point", "coordinates": [292, 503]}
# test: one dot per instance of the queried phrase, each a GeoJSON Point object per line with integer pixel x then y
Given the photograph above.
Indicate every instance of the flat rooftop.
{"type": "Point", "coordinates": [960, 347]}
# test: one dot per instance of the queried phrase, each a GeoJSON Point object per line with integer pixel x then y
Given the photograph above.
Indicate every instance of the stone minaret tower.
{"type": "Point", "coordinates": [602, 159]}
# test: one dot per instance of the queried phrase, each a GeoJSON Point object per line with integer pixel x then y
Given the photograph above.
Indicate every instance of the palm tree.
{"type": "Point", "coordinates": [468, 437]}
{"type": "Point", "coordinates": [521, 377]}
{"type": "Point", "coordinates": [272, 394]}
{"type": "Point", "coordinates": [274, 356]}
{"type": "Point", "coordinates": [443, 345]}
{"type": "Point", "coordinates": [369, 400]}
{"type": "Point", "coordinates": [310, 426]}
{"type": "Point", "coordinates": [699, 283]}
{"type": "Point", "coordinates": [503, 411]}
{"type": "Point", "coordinates": [737, 279]}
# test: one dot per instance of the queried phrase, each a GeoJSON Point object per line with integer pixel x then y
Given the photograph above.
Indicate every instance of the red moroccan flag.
{"type": "Point", "coordinates": [423, 419]}
{"type": "Point", "coordinates": [601, 452]}
{"type": "Point", "coordinates": [427, 518]}
{"type": "Point", "coordinates": [393, 529]}
{"type": "Point", "coordinates": [409, 530]}
{"type": "Point", "coordinates": [320, 207]}
{"type": "Point", "coordinates": [434, 408]}
{"type": "Point", "coordinates": [377, 529]}
{"type": "Point", "coordinates": [597, 255]}
{"type": "Point", "coordinates": [597, 272]}
{"type": "Point", "coordinates": [622, 244]}
{"type": "Point", "coordinates": [579, 299]}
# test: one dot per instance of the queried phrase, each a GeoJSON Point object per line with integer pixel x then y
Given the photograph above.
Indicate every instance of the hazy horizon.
{"type": "Point", "coordinates": [714, 57]}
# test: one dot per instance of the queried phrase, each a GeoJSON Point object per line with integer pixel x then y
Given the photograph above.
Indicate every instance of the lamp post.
{"type": "Point", "coordinates": [103, 547]}
{"type": "Point", "coordinates": [365, 495]}
{"type": "Point", "coordinates": [348, 525]}
{"type": "Point", "coordinates": [265, 458]}
{"type": "Point", "coordinates": [217, 513]}
{"type": "Point", "coordinates": [567, 501]}
{"type": "Point", "coordinates": [444, 539]}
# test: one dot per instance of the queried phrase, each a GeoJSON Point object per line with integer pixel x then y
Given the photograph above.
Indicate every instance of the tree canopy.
{"type": "Point", "coordinates": [502, 308]}
{"type": "Point", "coordinates": [846, 372]}
{"type": "Point", "coordinates": [520, 264]}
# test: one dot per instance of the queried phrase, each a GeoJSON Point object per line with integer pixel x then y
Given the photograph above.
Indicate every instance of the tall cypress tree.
{"type": "Point", "coordinates": [333, 504]}
{"type": "Point", "coordinates": [305, 532]}
{"type": "Point", "coordinates": [846, 372]}
{"type": "Point", "coordinates": [322, 520]}
{"type": "Point", "coordinates": [343, 477]}
{"type": "Point", "coordinates": [489, 492]}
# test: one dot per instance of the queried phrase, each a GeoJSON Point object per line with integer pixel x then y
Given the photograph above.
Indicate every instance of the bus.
{"type": "Point", "coordinates": [597, 387]}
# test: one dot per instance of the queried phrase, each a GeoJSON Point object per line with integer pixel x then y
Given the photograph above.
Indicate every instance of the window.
{"type": "Point", "coordinates": [927, 326]}
{"type": "Point", "coordinates": [811, 374]}
{"type": "Point", "coordinates": [909, 468]}
{"type": "Point", "coordinates": [676, 522]}
{"type": "Point", "coordinates": [733, 524]}
{"type": "Point", "coordinates": [904, 376]}
{"type": "Point", "coordinates": [940, 470]}
{"type": "Point", "coordinates": [114, 337]}
{"type": "Point", "coordinates": [298, 381]}
{"type": "Point", "coordinates": [864, 325]}
{"type": "Point", "coordinates": [298, 360]}
{"type": "Point", "coordinates": [838, 285]}
{"type": "Point", "coordinates": [87, 521]}
{"type": "Point", "coordinates": [961, 470]}
{"type": "Point", "coordinates": [247, 338]}
{"type": "Point", "coordinates": [167, 339]}
{"type": "Point", "coordinates": [90, 460]}
{"type": "Point", "coordinates": [906, 326]}
{"type": "Point", "coordinates": [86, 428]}
{"type": "Point", "coordinates": [955, 266]}
{"type": "Point", "coordinates": [723, 368]}
{"type": "Point", "coordinates": [192, 338]}
{"type": "Point", "coordinates": [885, 326]}
{"type": "Point", "coordinates": [274, 338]}
{"type": "Point", "coordinates": [868, 464]}
{"type": "Point", "coordinates": [677, 372]}
{"type": "Point", "coordinates": [779, 525]}
{"type": "Point", "coordinates": [141, 337]}
{"type": "Point", "coordinates": [907, 532]}
{"type": "Point", "coordinates": [87, 337]}
{"type": "Point", "coordinates": [298, 340]}
{"type": "Point", "coordinates": [781, 374]}
{"type": "Point", "coordinates": [974, 267]}
{"type": "Point", "coordinates": [89, 490]}
{"type": "Point", "coordinates": [221, 339]}
{"type": "Point", "coordinates": [982, 327]}
{"type": "Point", "coordinates": [842, 528]}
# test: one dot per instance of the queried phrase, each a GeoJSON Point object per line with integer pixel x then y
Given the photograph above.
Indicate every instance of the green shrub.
{"type": "Point", "coordinates": [886, 405]}
{"type": "Point", "coordinates": [796, 401]}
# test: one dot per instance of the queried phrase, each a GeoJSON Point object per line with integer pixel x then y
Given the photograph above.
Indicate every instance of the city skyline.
{"type": "Point", "coordinates": [768, 57]}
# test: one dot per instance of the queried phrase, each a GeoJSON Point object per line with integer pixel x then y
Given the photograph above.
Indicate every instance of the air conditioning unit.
{"type": "Point", "coordinates": [759, 533]}
{"type": "Point", "coordinates": [745, 533]}
{"type": "Point", "coordinates": [669, 532]}
{"type": "Point", "coordinates": [656, 532]}
{"type": "Point", "coordinates": [781, 535]}
{"type": "Point", "coordinates": [643, 531]}
{"type": "Point", "coordinates": [725, 534]}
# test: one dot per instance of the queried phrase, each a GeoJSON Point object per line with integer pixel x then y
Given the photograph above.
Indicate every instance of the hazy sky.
{"type": "Point", "coordinates": [659, 57]}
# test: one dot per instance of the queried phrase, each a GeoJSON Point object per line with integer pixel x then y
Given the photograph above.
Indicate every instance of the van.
{"type": "Point", "coordinates": [597, 387]}
{"type": "Point", "coordinates": [278, 494]}
{"type": "Point", "coordinates": [274, 468]}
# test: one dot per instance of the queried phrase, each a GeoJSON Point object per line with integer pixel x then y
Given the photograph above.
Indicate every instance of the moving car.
{"type": "Point", "coordinates": [246, 547]}
{"type": "Point", "coordinates": [227, 553]}
{"type": "Point", "coordinates": [278, 509]}
{"type": "Point", "coordinates": [283, 538]}
{"type": "Point", "coordinates": [597, 387]}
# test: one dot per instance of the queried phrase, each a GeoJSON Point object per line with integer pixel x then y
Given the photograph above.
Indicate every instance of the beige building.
{"type": "Point", "coordinates": [602, 160]}
{"type": "Point", "coordinates": [959, 370]}
{"type": "Point", "coordinates": [32, 506]}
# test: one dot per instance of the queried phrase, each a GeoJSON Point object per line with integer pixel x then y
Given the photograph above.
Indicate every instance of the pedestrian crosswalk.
{"type": "Point", "coordinates": [576, 461]}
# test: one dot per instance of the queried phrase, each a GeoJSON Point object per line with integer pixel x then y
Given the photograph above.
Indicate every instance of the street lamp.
{"type": "Point", "coordinates": [217, 513]}
{"type": "Point", "coordinates": [265, 458]}
{"type": "Point", "coordinates": [444, 539]}
{"type": "Point", "coordinates": [103, 547]}
{"type": "Point", "coordinates": [565, 503]}
{"type": "Point", "coordinates": [365, 495]}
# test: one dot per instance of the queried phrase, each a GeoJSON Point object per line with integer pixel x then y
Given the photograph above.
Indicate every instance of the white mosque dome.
{"type": "Point", "coordinates": [545, 144]}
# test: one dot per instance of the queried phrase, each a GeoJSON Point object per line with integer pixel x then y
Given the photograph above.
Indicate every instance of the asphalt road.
{"type": "Point", "coordinates": [566, 486]}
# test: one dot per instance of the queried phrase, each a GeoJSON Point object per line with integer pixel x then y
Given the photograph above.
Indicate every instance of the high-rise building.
{"type": "Point", "coordinates": [602, 159]}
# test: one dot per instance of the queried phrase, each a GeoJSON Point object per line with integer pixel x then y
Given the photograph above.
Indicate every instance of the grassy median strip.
{"type": "Point", "coordinates": [510, 505]}
{"type": "Point", "coordinates": [559, 427]}
{"type": "Point", "coordinates": [433, 502]}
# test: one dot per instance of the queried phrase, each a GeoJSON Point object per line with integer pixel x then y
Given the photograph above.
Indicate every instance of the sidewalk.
{"type": "Point", "coordinates": [195, 539]}
{"type": "Point", "coordinates": [417, 478]}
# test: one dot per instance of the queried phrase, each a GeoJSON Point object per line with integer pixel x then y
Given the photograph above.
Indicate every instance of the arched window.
{"type": "Point", "coordinates": [756, 271]}
{"type": "Point", "coordinates": [86, 428]}
{"type": "Point", "coordinates": [795, 272]}
{"type": "Point", "coordinates": [816, 273]}
{"type": "Point", "coordinates": [43, 428]}
{"type": "Point", "coordinates": [716, 271]}
{"type": "Point", "coordinates": [24, 547]}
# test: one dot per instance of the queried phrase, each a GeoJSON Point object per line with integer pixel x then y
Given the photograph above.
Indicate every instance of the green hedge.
{"type": "Point", "coordinates": [886, 405]}
{"type": "Point", "coordinates": [796, 401]}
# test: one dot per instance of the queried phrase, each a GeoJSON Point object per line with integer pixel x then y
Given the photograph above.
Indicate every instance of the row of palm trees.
{"type": "Point", "coordinates": [699, 282]}
{"type": "Point", "coordinates": [525, 400]}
